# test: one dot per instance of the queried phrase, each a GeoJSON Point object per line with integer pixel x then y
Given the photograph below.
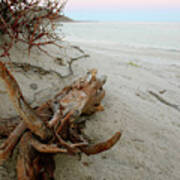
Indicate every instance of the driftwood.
{"type": "Point", "coordinates": [54, 127]}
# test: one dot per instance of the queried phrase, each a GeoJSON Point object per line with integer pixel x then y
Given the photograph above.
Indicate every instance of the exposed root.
{"type": "Point", "coordinates": [103, 146]}
{"type": "Point", "coordinates": [25, 67]}
{"type": "Point", "coordinates": [8, 125]}
{"type": "Point", "coordinates": [29, 116]}
{"type": "Point", "coordinates": [8, 146]}
{"type": "Point", "coordinates": [53, 127]}
{"type": "Point", "coordinates": [97, 148]}
{"type": "Point", "coordinates": [30, 164]}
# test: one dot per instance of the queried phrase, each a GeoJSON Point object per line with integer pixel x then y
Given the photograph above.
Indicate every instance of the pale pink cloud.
{"type": "Point", "coordinates": [78, 4]}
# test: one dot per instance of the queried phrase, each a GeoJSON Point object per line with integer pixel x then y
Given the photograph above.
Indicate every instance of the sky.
{"type": "Point", "coordinates": [124, 10]}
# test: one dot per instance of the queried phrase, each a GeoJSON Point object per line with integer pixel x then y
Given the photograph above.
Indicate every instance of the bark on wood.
{"type": "Point", "coordinates": [49, 129]}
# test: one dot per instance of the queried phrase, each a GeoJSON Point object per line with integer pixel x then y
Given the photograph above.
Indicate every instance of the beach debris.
{"type": "Point", "coordinates": [54, 127]}
{"type": "Point", "coordinates": [130, 63]}
{"type": "Point", "coordinates": [163, 91]}
{"type": "Point", "coordinates": [162, 100]}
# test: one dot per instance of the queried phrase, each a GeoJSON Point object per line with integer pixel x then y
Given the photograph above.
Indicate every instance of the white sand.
{"type": "Point", "coordinates": [150, 147]}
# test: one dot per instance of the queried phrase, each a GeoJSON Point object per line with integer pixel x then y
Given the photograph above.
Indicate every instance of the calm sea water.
{"type": "Point", "coordinates": [164, 36]}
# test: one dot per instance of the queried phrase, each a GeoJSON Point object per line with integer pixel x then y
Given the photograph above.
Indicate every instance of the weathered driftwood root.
{"type": "Point", "coordinates": [29, 116]}
{"type": "Point", "coordinates": [8, 125]}
{"type": "Point", "coordinates": [8, 146]}
{"type": "Point", "coordinates": [32, 165]}
{"type": "Point", "coordinates": [98, 148]}
{"type": "Point", "coordinates": [49, 129]}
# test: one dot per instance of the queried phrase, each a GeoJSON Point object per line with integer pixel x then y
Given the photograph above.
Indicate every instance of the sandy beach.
{"type": "Point", "coordinates": [149, 147]}
{"type": "Point", "coordinates": [142, 101]}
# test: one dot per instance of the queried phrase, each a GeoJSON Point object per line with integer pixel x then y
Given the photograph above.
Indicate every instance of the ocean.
{"type": "Point", "coordinates": [163, 36]}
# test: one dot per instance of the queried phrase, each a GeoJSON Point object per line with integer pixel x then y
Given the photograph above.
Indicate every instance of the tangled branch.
{"type": "Point", "coordinates": [31, 22]}
{"type": "Point", "coordinates": [53, 127]}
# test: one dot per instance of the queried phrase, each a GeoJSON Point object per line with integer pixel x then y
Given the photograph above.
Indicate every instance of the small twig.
{"type": "Point", "coordinates": [164, 101]}
{"type": "Point", "coordinates": [78, 48]}
{"type": "Point", "coordinates": [36, 69]}
{"type": "Point", "coordinates": [73, 60]}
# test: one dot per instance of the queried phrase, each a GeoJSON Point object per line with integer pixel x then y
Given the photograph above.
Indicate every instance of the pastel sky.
{"type": "Point", "coordinates": [124, 10]}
